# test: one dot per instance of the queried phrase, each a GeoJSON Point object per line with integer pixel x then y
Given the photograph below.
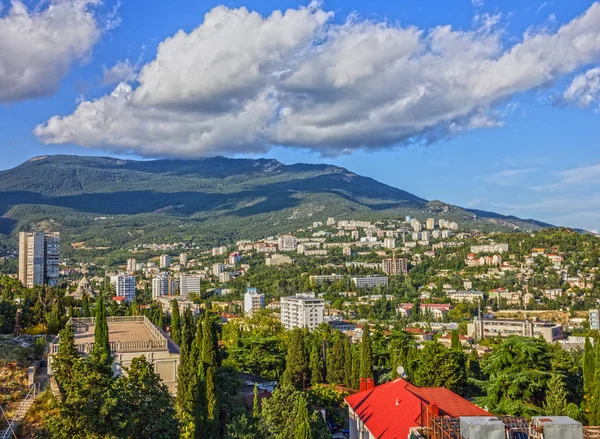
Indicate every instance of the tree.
{"type": "Point", "coordinates": [54, 318]}
{"type": "Point", "coordinates": [455, 341]}
{"type": "Point", "coordinates": [302, 420]}
{"type": "Point", "coordinates": [556, 397]}
{"type": "Point", "coordinates": [85, 305]}
{"type": "Point", "coordinates": [366, 355]}
{"type": "Point", "coordinates": [594, 415]}
{"type": "Point", "coordinates": [209, 358]}
{"type": "Point", "coordinates": [437, 366]}
{"type": "Point", "coordinates": [186, 381]}
{"type": "Point", "coordinates": [255, 407]}
{"type": "Point", "coordinates": [101, 341]}
{"type": "Point", "coordinates": [589, 364]}
{"type": "Point", "coordinates": [296, 361]}
{"type": "Point", "coordinates": [64, 361]}
{"type": "Point", "coordinates": [347, 362]}
{"type": "Point", "coordinates": [150, 412]}
{"type": "Point", "coordinates": [175, 323]}
{"type": "Point", "coordinates": [316, 364]}
{"type": "Point", "coordinates": [335, 360]}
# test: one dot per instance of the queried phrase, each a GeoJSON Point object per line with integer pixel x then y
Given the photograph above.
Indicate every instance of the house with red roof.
{"type": "Point", "coordinates": [391, 410]}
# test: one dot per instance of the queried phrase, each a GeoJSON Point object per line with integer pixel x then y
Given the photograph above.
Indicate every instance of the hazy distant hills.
{"type": "Point", "coordinates": [106, 201]}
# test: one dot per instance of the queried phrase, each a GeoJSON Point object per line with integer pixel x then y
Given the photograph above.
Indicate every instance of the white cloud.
{"type": "Point", "coordinates": [581, 175]}
{"type": "Point", "coordinates": [585, 89]}
{"type": "Point", "coordinates": [122, 71]}
{"type": "Point", "coordinates": [509, 177]}
{"type": "Point", "coordinates": [240, 83]}
{"type": "Point", "coordinates": [37, 48]}
{"type": "Point", "coordinates": [477, 3]}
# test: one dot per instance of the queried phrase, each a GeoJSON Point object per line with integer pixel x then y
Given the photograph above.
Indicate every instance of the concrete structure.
{"type": "Point", "coordinates": [189, 283]}
{"type": "Point", "coordinates": [594, 322]}
{"type": "Point", "coordinates": [389, 243]}
{"type": "Point", "coordinates": [301, 311]}
{"type": "Point", "coordinates": [183, 258]}
{"type": "Point", "coordinates": [225, 276]}
{"type": "Point", "coordinates": [131, 265]}
{"type": "Point", "coordinates": [471, 296]}
{"type": "Point", "coordinates": [278, 260]}
{"type": "Point", "coordinates": [369, 281]}
{"type": "Point", "coordinates": [162, 285]}
{"type": "Point", "coordinates": [430, 223]}
{"type": "Point", "coordinates": [129, 337]}
{"type": "Point", "coordinates": [489, 248]}
{"type": "Point", "coordinates": [484, 328]}
{"type": "Point", "coordinates": [253, 301]}
{"type": "Point", "coordinates": [287, 243]}
{"type": "Point", "coordinates": [165, 261]}
{"type": "Point", "coordinates": [38, 258]}
{"type": "Point", "coordinates": [395, 266]}
{"type": "Point", "coordinates": [326, 278]}
{"type": "Point", "coordinates": [124, 285]}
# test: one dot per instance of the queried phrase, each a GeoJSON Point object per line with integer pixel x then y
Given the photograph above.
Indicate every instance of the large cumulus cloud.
{"type": "Point", "coordinates": [241, 82]}
{"type": "Point", "coordinates": [37, 48]}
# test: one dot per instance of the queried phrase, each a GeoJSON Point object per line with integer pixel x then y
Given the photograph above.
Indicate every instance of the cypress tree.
{"type": "Point", "coordinates": [316, 364]}
{"type": "Point", "coordinates": [455, 341]}
{"type": "Point", "coordinates": [355, 368]}
{"type": "Point", "coordinates": [209, 358]}
{"type": "Point", "coordinates": [366, 354]}
{"type": "Point", "coordinates": [64, 361]}
{"type": "Point", "coordinates": [594, 416]}
{"type": "Point", "coordinates": [185, 376]}
{"type": "Point", "coordinates": [101, 342]}
{"type": "Point", "coordinates": [335, 363]}
{"type": "Point", "coordinates": [255, 408]}
{"type": "Point", "coordinates": [347, 362]}
{"type": "Point", "coordinates": [588, 368]}
{"type": "Point", "coordinates": [85, 304]}
{"type": "Point", "coordinates": [296, 361]}
{"type": "Point", "coordinates": [556, 397]}
{"type": "Point", "coordinates": [175, 323]}
{"type": "Point", "coordinates": [302, 419]}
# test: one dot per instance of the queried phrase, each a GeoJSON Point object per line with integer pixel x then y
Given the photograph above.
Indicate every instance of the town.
{"type": "Point", "coordinates": [328, 318]}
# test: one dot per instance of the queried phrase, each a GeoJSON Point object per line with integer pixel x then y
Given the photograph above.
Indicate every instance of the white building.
{"type": "Point", "coordinates": [162, 285]}
{"type": "Point", "coordinates": [218, 251]}
{"type": "Point", "coordinates": [471, 296]}
{"type": "Point", "coordinates": [225, 276]}
{"type": "Point", "coordinates": [301, 311]}
{"type": "Point", "coordinates": [369, 281]}
{"type": "Point", "coordinates": [394, 266]}
{"type": "Point", "coordinates": [124, 285]}
{"type": "Point", "coordinates": [489, 248]}
{"type": "Point", "coordinates": [189, 284]}
{"type": "Point", "coordinates": [594, 319]}
{"type": "Point", "coordinates": [183, 258]}
{"type": "Point", "coordinates": [131, 265]}
{"type": "Point", "coordinates": [331, 221]}
{"type": "Point", "coordinates": [253, 301]}
{"type": "Point", "coordinates": [287, 243]}
{"type": "Point", "coordinates": [217, 269]}
{"type": "Point", "coordinates": [165, 261]}
{"type": "Point", "coordinates": [389, 243]}
{"type": "Point", "coordinates": [430, 224]}
{"type": "Point", "coordinates": [38, 258]}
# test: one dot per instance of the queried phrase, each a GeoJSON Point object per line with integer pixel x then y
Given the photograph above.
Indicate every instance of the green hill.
{"type": "Point", "coordinates": [107, 202]}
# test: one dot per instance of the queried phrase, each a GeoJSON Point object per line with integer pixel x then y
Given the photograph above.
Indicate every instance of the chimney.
{"type": "Point", "coordinates": [370, 383]}
{"type": "Point", "coordinates": [363, 384]}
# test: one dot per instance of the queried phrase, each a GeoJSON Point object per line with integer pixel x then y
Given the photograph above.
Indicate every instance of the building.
{"type": "Point", "coordinates": [389, 243]}
{"type": "Point", "coordinates": [189, 283]}
{"type": "Point", "coordinates": [161, 285]}
{"type": "Point", "coordinates": [471, 296]}
{"type": "Point", "coordinates": [489, 248]}
{"type": "Point", "coordinates": [369, 281]}
{"type": "Point", "coordinates": [129, 337]}
{"type": "Point", "coordinates": [594, 322]}
{"type": "Point", "coordinates": [217, 269]}
{"type": "Point", "coordinates": [277, 259]}
{"type": "Point", "coordinates": [326, 278]}
{"type": "Point", "coordinates": [183, 258]}
{"type": "Point", "coordinates": [396, 409]}
{"type": "Point", "coordinates": [331, 221]}
{"type": "Point", "coordinates": [430, 224]}
{"type": "Point", "coordinates": [342, 325]}
{"type": "Point", "coordinates": [218, 251]}
{"type": "Point", "coordinates": [436, 310]}
{"type": "Point", "coordinates": [124, 285]}
{"type": "Point", "coordinates": [287, 243]}
{"type": "Point", "coordinates": [253, 301]}
{"type": "Point", "coordinates": [395, 266]}
{"type": "Point", "coordinates": [235, 258]}
{"type": "Point", "coordinates": [165, 261]}
{"type": "Point", "coordinates": [131, 265]}
{"type": "Point", "coordinates": [301, 311]}
{"type": "Point", "coordinates": [225, 276]}
{"type": "Point", "coordinates": [38, 258]}
{"type": "Point", "coordinates": [485, 328]}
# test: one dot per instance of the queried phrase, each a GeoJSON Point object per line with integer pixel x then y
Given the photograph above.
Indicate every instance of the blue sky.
{"type": "Point", "coordinates": [484, 104]}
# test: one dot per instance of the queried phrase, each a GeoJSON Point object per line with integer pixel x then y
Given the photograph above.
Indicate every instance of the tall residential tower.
{"type": "Point", "coordinates": [38, 258]}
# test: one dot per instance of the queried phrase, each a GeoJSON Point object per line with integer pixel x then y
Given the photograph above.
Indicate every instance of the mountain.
{"type": "Point", "coordinates": [104, 202]}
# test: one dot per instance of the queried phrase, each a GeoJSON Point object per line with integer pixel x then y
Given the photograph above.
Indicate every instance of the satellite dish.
{"type": "Point", "coordinates": [401, 372]}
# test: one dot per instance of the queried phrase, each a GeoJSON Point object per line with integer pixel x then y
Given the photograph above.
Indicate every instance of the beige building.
{"type": "Point", "coordinates": [130, 337]}
{"type": "Point", "coordinates": [38, 258]}
{"type": "Point", "coordinates": [486, 328]}
{"type": "Point", "coordinates": [395, 266]}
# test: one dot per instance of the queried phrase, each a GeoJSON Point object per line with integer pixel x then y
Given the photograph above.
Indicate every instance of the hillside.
{"type": "Point", "coordinates": [105, 201]}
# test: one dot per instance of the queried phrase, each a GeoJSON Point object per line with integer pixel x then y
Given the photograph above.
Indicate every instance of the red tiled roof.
{"type": "Point", "coordinates": [118, 298]}
{"type": "Point", "coordinates": [390, 410]}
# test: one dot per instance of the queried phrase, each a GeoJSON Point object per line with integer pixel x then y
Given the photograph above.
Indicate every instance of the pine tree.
{"type": "Point", "coordinates": [316, 364]}
{"type": "Point", "coordinates": [556, 397]}
{"type": "Point", "coordinates": [455, 341]}
{"type": "Point", "coordinates": [296, 361]}
{"type": "Point", "coordinates": [101, 341]}
{"type": "Point", "coordinates": [64, 361]}
{"type": "Point", "coordinates": [85, 304]}
{"type": "Point", "coordinates": [347, 362]}
{"type": "Point", "coordinates": [366, 355]}
{"type": "Point", "coordinates": [175, 323]}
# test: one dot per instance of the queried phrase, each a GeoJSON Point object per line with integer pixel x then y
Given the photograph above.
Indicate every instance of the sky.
{"type": "Point", "coordinates": [485, 104]}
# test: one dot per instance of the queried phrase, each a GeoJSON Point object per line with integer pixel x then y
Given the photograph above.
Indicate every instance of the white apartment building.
{"type": "Point", "coordinates": [331, 221]}
{"type": "Point", "coordinates": [189, 284]}
{"type": "Point", "coordinates": [430, 224]}
{"type": "Point", "coordinates": [389, 243]}
{"type": "Point", "coordinates": [131, 265]}
{"type": "Point", "coordinates": [38, 258]}
{"type": "Point", "coordinates": [253, 301]}
{"type": "Point", "coordinates": [124, 286]}
{"type": "Point", "coordinates": [394, 266]}
{"type": "Point", "coordinates": [326, 278]}
{"type": "Point", "coordinates": [416, 225]}
{"type": "Point", "coordinates": [165, 261]}
{"type": "Point", "coordinates": [471, 296]}
{"type": "Point", "coordinates": [489, 248]}
{"type": "Point", "coordinates": [218, 251]}
{"type": "Point", "coordinates": [287, 243]}
{"type": "Point", "coordinates": [217, 269]}
{"type": "Point", "coordinates": [594, 319]}
{"type": "Point", "coordinates": [301, 311]}
{"type": "Point", "coordinates": [183, 258]}
{"type": "Point", "coordinates": [162, 285]}
{"type": "Point", "coordinates": [369, 281]}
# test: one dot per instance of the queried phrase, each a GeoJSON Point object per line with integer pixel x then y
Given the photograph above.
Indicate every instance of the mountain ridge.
{"type": "Point", "coordinates": [217, 198]}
